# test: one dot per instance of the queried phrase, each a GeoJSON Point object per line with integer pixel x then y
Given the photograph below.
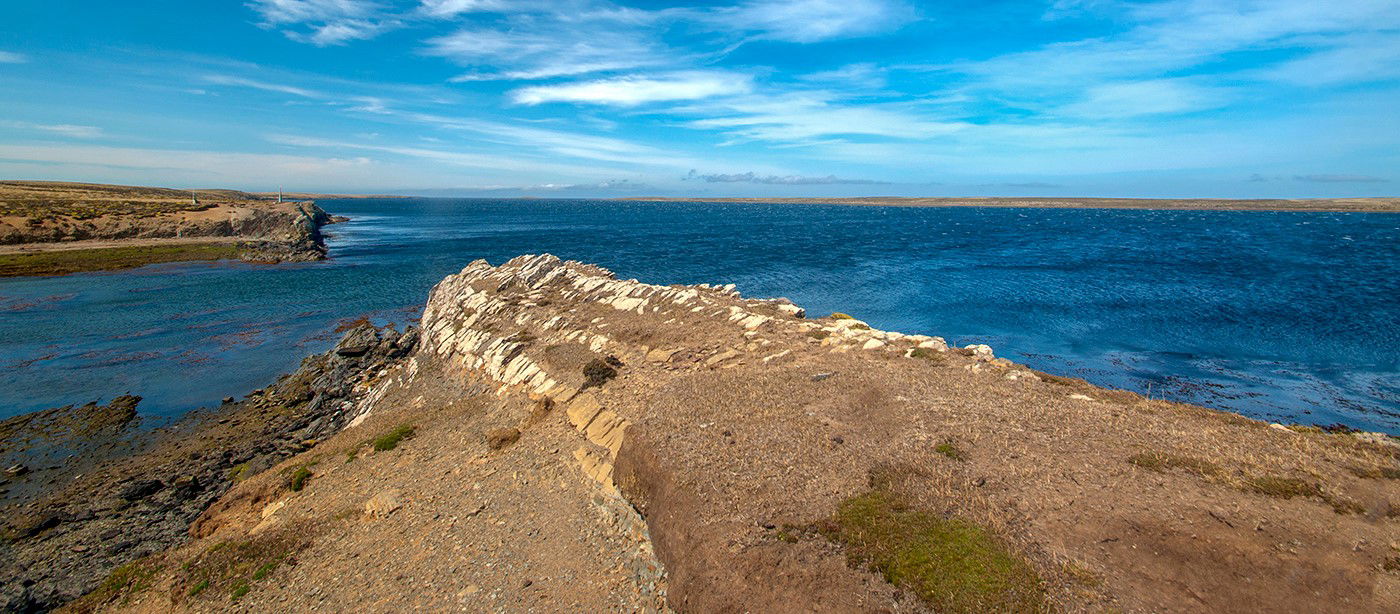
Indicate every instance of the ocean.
{"type": "Point", "coordinates": [1291, 317]}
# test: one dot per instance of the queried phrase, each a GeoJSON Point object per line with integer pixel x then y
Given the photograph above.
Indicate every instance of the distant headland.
{"type": "Point", "coordinates": [56, 228]}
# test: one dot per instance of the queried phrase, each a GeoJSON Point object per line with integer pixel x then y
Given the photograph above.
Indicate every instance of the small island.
{"type": "Point", "coordinates": [57, 228]}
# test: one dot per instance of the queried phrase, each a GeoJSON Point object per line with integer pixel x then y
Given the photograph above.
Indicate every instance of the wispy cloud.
{"type": "Point", "coordinates": [472, 159]}
{"type": "Point", "coordinates": [325, 22]}
{"type": "Point", "coordinates": [812, 116]}
{"type": "Point", "coordinates": [10, 57]}
{"type": "Point", "coordinates": [809, 21]}
{"type": "Point", "coordinates": [751, 177]}
{"type": "Point", "coordinates": [262, 85]}
{"type": "Point", "coordinates": [1150, 97]}
{"type": "Point", "coordinates": [551, 45]}
{"type": "Point", "coordinates": [631, 91]}
{"type": "Point", "coordinates": [66, 130]}
{"type": "Point", "coordinates": [444, 9]}
{"type": "Point", "coordinates": [1340, 178]}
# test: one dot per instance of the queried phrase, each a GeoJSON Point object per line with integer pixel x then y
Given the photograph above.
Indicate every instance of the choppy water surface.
{"type": "Point", "coordinates": [1283, 316]}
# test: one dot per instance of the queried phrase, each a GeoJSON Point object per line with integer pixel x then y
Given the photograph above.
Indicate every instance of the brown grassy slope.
{"type": "Point", "coordinates": [90, 200]}
{"type": "Point", "coordinates": [1378, 205]}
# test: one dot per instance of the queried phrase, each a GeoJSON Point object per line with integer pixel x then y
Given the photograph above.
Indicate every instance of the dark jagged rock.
{"type": "Point", "coordinates": [62, 544]}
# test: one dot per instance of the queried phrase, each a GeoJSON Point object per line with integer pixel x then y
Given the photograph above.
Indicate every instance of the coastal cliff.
{"type": "Point", "coordinates": [54, 228]}
{"type": "Point", "coordinates": [561, 439]}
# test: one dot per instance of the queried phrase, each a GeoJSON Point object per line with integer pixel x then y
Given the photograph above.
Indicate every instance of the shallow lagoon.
{"type": "Point", "coordinates": [1281, 316]}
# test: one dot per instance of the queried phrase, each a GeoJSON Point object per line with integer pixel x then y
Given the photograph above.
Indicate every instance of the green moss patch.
{"type": "Point", "coordinates": [391, 439]}
{"type": "Point", "coordinates": [299, 478]}
{"type": "Point", "coordinates": [951, 451]}
{"type": "Point", "coordinates": [63, 262]}
{"type": "Point", "coordinates": [951, 564]}
{"type": "Point", "coordinates": [840, 316]}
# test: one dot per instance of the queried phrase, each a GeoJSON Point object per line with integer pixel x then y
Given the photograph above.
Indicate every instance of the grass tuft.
{"type": "Point", "coordinates": [238, 472]}
{"type": "Point", "coordinates": [1281, 487]}
{"type": "Point", "coordinates": [840, 316]}
{"type": "Point", "coordinates": [121, 585]}
{"type": "Point", "coordinates": [299, 478]}
{"type": "Point", "coordinates": [953, 565]}
{"type": "Point", "coordinates": [927, 354]}
{"type": "Point", "coordinates": [390, 440]}
{"type": "Point", "coordinates": [1160, 462]}
{"type": "Point", "coordinates": [951, 451]}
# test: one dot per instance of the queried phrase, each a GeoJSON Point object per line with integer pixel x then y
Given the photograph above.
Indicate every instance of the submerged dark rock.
{"type": "Point", "coordinates": [63, 543]}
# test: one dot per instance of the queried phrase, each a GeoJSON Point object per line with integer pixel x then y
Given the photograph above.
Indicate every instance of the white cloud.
{"type": "Point", "coordinates": [341, 32]}
{"type": "Point", "coordinates": [858, 76]}
{"type": "Point", "coordinates": [262, 85]}
{"type": "Point", "coordinates": [10, 57]}
{"type": "Point", "coordinates": [1181, 34]}
{"type": "Point", "coordinates": [809, 21]}
{"type": "Point", "coordinates": [548, 47]}
{"type": "Point", "coordinates": [1150, 97]}
{"type": "Point", "coordinates": [306, 11]}
{"type": "Point", "coordinates": [443, 9]}
{"type": "Point", "coordinates": [327, 22]}
{"type": "Point", "coordinates": [806, 117]}
{"type": "Point", "coordinates": [632, 91]}
{"type": "Point", "coordinates": [68, 130]}
{"type": "Point", "coordinates": [492, 161]}
{"type": "Point", "coordinates": [1361, 58]}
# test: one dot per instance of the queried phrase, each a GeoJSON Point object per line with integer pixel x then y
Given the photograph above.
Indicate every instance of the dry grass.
{"type": "Point", "coordinates": [80, 201]}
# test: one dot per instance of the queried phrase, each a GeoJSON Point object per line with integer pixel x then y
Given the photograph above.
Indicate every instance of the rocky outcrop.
{"type": "Point", "coordinates": [269, 232]}
{"type": "Point", "coordinates": [734, 412]}
{"type": "Point", "coordinates": [64, 542]}
{"type": "Point", "coordinates": [295, 240]}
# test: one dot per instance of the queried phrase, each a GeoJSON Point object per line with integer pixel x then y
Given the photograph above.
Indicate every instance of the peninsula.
{"type": "Point", "coordinates": [55, 228]}
{"type": "Point", "coordinates": [552, 437]}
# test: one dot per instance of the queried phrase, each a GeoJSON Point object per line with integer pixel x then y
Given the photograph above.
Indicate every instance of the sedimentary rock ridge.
{"type": "Point", "coordinates": [582, 442]}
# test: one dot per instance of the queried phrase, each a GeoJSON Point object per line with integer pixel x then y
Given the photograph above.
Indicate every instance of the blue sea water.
{"type": "Point", "coordinates": [1281, 316]}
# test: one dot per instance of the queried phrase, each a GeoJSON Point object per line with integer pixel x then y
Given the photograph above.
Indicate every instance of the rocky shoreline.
{"type": "Point", "coordinates": [88, 517]}
{"type": "Point", "coordinates": [562, 439]}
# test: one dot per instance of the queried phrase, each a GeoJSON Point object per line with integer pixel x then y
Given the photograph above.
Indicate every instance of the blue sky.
{"type": "Point", "coordinates": [575, 98]}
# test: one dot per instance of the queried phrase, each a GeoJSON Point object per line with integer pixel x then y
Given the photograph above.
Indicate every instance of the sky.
{"type": "Point", "coordinates": [823, 98]}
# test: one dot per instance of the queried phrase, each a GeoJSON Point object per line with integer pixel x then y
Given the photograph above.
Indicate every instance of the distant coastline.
{"type": "Point", "coordinates": [56, 228]}
{"type": "Point", "coordinates": [1333, 205]}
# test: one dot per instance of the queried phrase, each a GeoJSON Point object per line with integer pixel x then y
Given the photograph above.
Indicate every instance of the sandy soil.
{"type": "Point", "coordinates": [732, 427]}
